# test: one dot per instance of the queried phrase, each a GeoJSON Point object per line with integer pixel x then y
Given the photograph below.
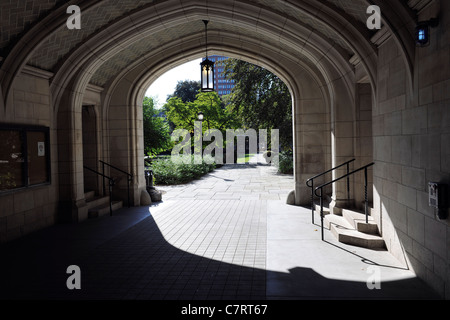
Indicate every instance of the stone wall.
{"type": "Point", "coordinates": [411, 125]}
{"type": "Point", "coordinates": [30, 209]}
{"type": "Point", "coordinates": [363, 144]}
{"type": "Point", "coordinates": [311, 137]}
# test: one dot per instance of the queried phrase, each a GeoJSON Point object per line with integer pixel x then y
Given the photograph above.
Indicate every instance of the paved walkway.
{"type": "Point", "coordinates": [227, 236]}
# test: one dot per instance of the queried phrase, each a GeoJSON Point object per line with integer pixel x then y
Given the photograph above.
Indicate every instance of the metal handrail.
{"type": "Point", "coordinates": [366, 201]}
{"type": "Point", "coordinates": [111, 184]}
{"type": "Point", "coordinates": [129, 178]}
{"type": "Point", "coordinates": [321, 174]}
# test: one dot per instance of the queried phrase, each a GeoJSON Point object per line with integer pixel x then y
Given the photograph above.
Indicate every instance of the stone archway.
{"type": "Point", "coordinates": [294, 42]}
{"type": "Point", "coordinates": [124, 84]}
{"type": "Point", "coordinates": [308, 99]}
{"type": "Point", "coordinates": [321, 49]}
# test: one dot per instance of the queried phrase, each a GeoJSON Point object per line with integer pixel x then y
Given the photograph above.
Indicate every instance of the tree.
{"type": "Point", "coordinates": [260, 99]}
{"type": "Point", "coordinates": [181, 114]}
{"type": "Point", "coordinates": [186, 90]}
{"type": "Point", "coordinates": [156, 129]}
{"type": "Point", "coordinates": [216, 116]}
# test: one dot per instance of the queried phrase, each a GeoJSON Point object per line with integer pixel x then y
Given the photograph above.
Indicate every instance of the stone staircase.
{"type": "Point", "coordinates": [99, 205]}
{"type": "Point", "coordinates": [350, 227]}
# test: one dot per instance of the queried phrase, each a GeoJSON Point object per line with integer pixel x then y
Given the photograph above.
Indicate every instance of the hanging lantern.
{"type": "Point", "coordinates": [207, 75]}
{"type": "Point", "coordinates": [207, 67]}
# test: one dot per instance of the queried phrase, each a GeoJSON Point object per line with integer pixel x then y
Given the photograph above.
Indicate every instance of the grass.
{"type": "Point", "coordinates": [246, 158]}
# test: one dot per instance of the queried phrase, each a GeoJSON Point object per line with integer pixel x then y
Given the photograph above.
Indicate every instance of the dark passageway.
{"type": "Point", "coordinates": [195, 249]}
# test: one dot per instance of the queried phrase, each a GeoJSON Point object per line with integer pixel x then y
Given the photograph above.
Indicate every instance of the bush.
{"type": "Point", "coordinates": [286, 162]}
{"type": "Point", "coordinates": [168, 172]}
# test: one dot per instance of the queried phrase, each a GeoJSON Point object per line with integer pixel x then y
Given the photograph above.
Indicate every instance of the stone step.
{"type": "Point", "coordinates": [103, 209]}
{"type": "Point", "coordinates": [351, 228]}
{"type": "Point", "coordinates": [356, 238]}
{"type": "Point", "coordinates": [358, 221]}
{"type": "Point", "coordinates": [326, 210]}
{"type": "Point", "coordinates": [333, 219]}
{"type": "Point", "coordinates": [97, 201]}
{"type": "Point", "coordinates": [89, 195]}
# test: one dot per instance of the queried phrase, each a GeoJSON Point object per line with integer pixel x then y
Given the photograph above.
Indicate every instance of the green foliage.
{"type": "Point", "coordinates": [186, 91]}
{"type": "Point", "coordinates": [184, 114]}
{"type": "Point", "coordinates": [216, 115]}
{"type": "Point", "coordinates": [157, 137]}
{"type": "Point", "coordinates": [260, 99]}
{"type": "Point", "coordinates": [180, 113]}
{"type": "Point", "coordinates": [168, 172]}
{"type": "Point", "coordinates": [286, 162]}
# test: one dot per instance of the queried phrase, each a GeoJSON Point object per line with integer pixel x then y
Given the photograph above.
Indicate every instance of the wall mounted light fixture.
{"type": "Point", "coordinates": [423, 32]}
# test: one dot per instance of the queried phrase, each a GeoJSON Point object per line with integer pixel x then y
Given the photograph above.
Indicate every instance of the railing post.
{"type": "Point", "coordinates": [312, 201]}
{"type": "Point", "coordinates": [129, 179]}
{"type": "Point", "coordinates": [128, 191]}
{"type": "Point", "coordinates": [103, 172]}
{"type": "Point", "coordinates": [366, 203]}
{"type": "Point", "coordinates": [321, 212]}
{"type": "Point", "coordinates": [110, 186]}
{"type": "Point", "coordinates": [348, 183]}
{"type": "Point", "coordinates": [366, 209]}
{"type": "Point", "coordinates": [110, 197]}
{"type": "Point", "coordinates": [323, 173]}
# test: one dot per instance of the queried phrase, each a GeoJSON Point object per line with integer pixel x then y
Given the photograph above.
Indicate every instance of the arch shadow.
{"type": "Point", "coordinates": [125, 257]}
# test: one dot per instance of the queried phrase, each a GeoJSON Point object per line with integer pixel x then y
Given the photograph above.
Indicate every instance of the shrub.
{"type": "Point", "coordinates": [286, 162]}
{"type": "Point", "coordinates": [168, 172]}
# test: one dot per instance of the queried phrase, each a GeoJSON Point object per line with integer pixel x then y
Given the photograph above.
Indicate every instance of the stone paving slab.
{"type": "Point", "coordinates": [212, 239]}
{"type": "Point", "coordinates": [302, 266]}
{"type": "Point", "coordinates": [236, 182]}
{"type": "Point", "coordinates": [206, 243]}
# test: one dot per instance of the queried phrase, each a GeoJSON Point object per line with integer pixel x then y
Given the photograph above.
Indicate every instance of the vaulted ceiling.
{"type": "Point", "coordinates": [18, 16]}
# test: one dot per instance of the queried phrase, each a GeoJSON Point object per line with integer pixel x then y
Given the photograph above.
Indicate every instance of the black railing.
{"type": "Point", "coordinates": [129, 177]}
{"type": "Point", "coordinates": [310, 183]}
{"type": "Point", "coordinates": [110, 186]}
{"type": "Point", "coordinates": [366, 200]}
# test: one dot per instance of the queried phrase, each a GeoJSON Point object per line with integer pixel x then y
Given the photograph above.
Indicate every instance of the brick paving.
{"type": "Point", "coordinates": [206, 240]}
{"type": "Point", "coordinates": [227, 236]}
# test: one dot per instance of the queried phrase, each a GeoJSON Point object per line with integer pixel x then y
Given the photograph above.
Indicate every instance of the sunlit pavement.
{"type": "Point", "coordinates": [227, 236]}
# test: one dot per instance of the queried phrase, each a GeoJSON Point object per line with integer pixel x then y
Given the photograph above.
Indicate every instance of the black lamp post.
{"type": "Point", "coordinates": [207, 68]}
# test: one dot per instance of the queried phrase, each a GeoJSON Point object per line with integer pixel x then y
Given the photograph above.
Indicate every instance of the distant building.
{"type": "Point", "coordinates": [222, 86]}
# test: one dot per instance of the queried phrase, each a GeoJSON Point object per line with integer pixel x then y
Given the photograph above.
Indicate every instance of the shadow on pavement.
{"type": "Point", "coordinates": [134, 261]}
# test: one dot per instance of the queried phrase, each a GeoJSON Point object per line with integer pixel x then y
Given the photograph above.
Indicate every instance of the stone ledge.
{"type": "Point", "coordinates": [356, 238]}
{"type": "Point", "coordinates": [351, 228]}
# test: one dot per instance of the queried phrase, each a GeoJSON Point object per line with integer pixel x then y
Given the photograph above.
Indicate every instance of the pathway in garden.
{"type": "Point", "coordinates": [235, 182]}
